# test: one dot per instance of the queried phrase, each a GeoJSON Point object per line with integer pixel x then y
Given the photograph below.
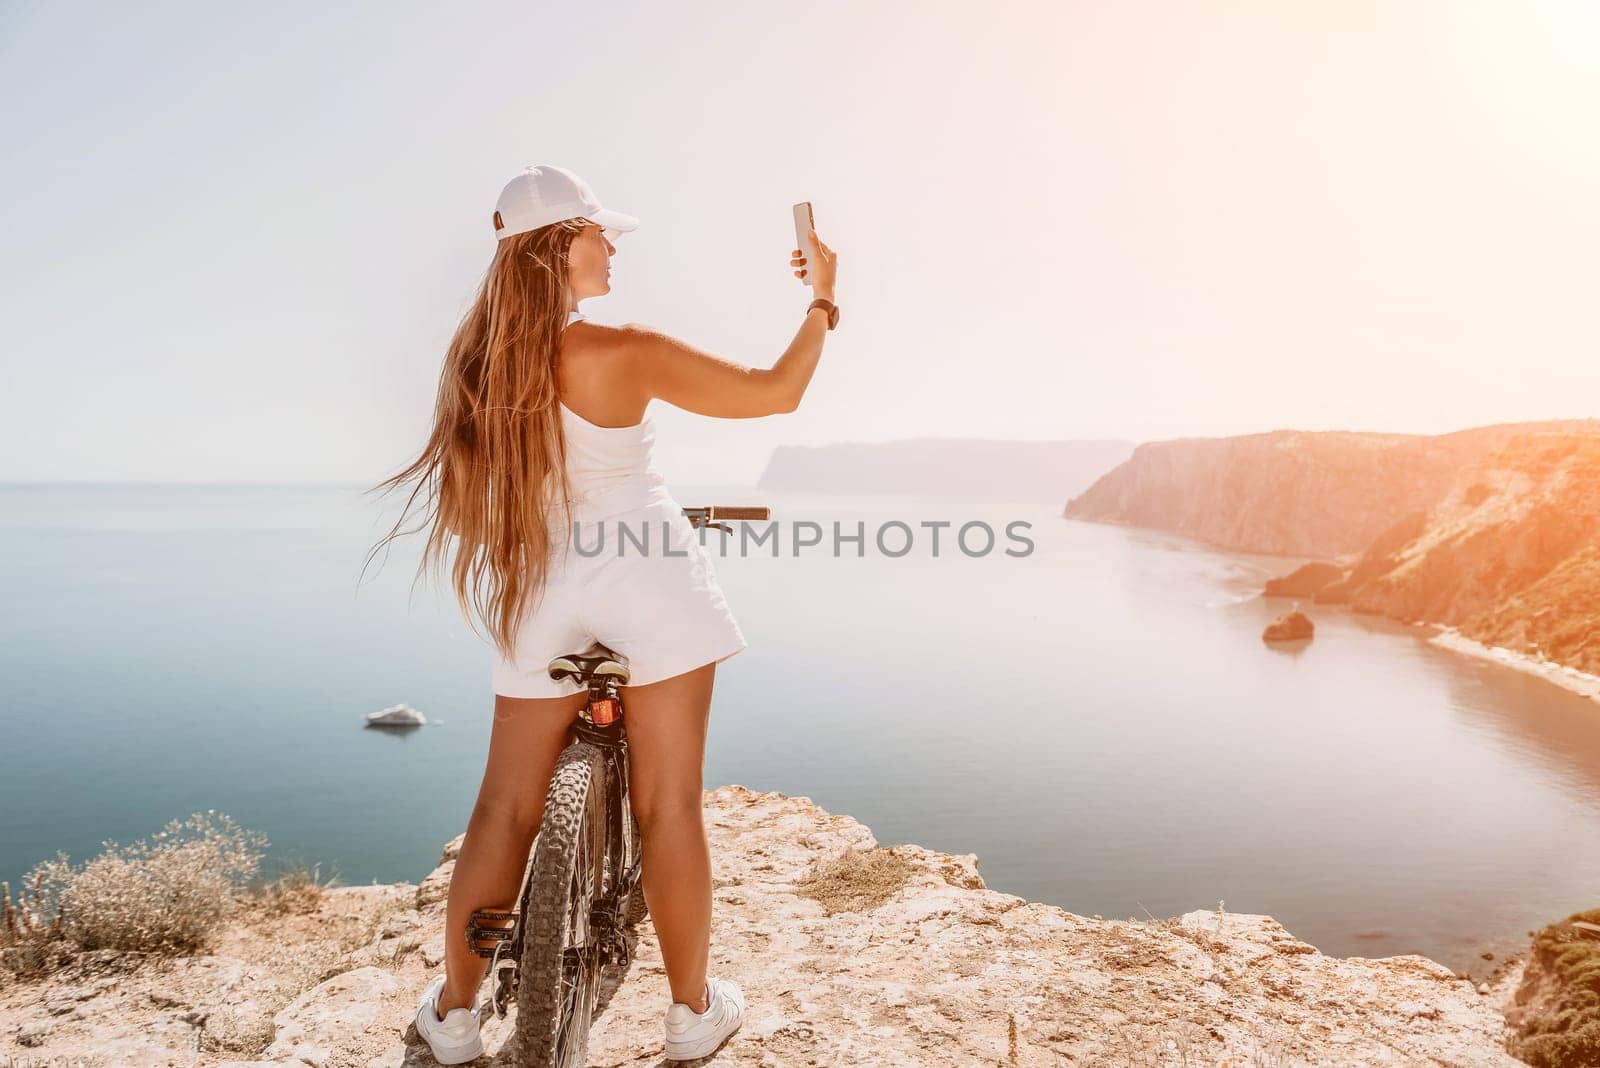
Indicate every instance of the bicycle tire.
{"type": "Point", "coordinates": [634, 909]}
{"type": "Point", "coordinates": [637, 910]}
{"type": "Point", "coordinates": [558, 985]}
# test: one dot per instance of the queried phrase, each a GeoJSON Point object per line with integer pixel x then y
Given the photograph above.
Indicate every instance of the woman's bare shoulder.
{"type": "Point", "coordinates": [596, 373]}
{"type": "Point", "coordinates": [594, 342]}
{"type": "Point", "coordinates": [620, 341]}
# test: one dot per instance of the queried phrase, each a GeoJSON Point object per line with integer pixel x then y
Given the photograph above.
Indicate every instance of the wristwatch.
{"type": "Point", "coordinates": [827, 305]}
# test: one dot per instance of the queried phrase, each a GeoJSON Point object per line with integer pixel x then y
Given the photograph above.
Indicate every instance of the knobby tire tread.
{"type": "Point", "coordinates": [579, 771]}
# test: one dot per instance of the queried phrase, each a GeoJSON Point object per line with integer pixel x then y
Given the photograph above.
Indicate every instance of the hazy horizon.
{"type": "Point", "coordinates": [239, 239]}
{"type": "Point", "coordinates": [752, 483]}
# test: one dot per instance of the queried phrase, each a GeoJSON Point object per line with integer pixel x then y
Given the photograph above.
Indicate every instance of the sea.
{"type": "Point", "coordinates": [1089, 709]}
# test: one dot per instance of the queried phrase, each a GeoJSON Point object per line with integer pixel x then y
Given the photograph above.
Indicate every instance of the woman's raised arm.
{"type": "Point", "coordinates": [696, 381]}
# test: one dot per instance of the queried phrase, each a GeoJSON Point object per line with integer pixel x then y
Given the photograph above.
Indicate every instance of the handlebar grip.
{"type": "Point", "coordinates": [740, 512]}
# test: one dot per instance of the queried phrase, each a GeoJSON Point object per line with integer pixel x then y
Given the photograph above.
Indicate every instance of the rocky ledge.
{"type": "Point", "coordinates": [850, 954]}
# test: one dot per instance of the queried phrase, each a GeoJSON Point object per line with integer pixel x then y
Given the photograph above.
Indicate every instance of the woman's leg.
{"type": "Point", "coordinates": [666, 724]}
{"type": "Point", "coordinates": [528, 735]}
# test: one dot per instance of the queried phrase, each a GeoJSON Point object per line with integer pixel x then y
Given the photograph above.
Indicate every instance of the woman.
{"type": "Point", "coordinates": [539, 430]}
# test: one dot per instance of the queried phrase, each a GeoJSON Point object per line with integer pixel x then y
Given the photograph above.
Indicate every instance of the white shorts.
{"type": "Point", "coordinates": [659, 605]}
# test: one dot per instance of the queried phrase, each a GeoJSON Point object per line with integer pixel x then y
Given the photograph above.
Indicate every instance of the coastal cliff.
{"type": "Point", "coordinates": [1509, 557]}
{"type": "Point", "coordinates": [1322, 494]}
{"type": "Point", "coordinates": [1493, 533]}
{"type": "Point", "coordinates": [849, 954]}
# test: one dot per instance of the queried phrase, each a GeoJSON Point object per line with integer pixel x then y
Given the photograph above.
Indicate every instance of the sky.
{"type": "Point", "coordinates": [235, 238]}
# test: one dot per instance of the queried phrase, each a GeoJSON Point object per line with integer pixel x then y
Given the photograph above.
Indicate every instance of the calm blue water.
{"type": "Point", "coordinates": [1098, 721]}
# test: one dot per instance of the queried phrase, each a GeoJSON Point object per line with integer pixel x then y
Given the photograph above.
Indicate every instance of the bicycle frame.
{"type": "Point", "coordinates": [601, 725]}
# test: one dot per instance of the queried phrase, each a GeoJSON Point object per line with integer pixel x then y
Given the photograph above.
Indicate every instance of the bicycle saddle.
{"type": "Point", "coordinates": [595, 662]}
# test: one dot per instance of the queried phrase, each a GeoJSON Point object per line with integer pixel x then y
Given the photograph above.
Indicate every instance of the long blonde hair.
{"type": "Point", "coordinates": [495, 461]}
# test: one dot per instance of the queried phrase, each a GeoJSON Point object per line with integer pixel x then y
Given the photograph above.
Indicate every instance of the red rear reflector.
{"type": "Point", "coordinates": [604, 711]}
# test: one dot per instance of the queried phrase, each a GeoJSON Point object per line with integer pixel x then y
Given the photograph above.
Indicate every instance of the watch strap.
{"type": "Point", "coordinates": [828, 306]}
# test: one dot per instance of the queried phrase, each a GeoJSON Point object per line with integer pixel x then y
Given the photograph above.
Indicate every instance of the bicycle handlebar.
{"type": "Point", "coordinates": [706, 515]}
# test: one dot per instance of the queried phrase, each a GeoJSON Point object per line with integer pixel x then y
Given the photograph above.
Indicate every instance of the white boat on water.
{"type": "Point", "coordinates": [401, 715]}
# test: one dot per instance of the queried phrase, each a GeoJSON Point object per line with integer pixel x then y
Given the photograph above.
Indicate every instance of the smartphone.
{"type": "Point", "coordinates": [804, 223]}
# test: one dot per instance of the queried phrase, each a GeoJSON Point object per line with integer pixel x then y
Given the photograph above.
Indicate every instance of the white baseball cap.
{"type": "Point", "coordinates": [544, 194]}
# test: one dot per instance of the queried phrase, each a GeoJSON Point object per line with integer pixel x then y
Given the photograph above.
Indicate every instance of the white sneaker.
{"type": "Point", "coordinates": [455, 1039]}
{"type": "Point", "coordinates": [693, 1034]}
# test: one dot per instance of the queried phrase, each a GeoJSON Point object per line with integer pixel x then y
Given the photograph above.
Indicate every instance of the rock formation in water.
{"type": "Point", "coordinates": [898, 956]}
{"type": "Point", "coordinates": [1044, 471]}
{"type": "Point", "coordinates": [1289, 627]}
{"type": "Point", "coordinates": [1290, 492]}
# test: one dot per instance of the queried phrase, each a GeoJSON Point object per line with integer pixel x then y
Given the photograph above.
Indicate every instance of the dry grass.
{"type": "Point", "coordinates": [295, 890]}
{"type": "Point", "coordinates": [231, 1030]}
{"type": "Point", "coordinates": [27, 932]}
{"type": "Point", "coordinates": [1187, 1044]}
{"type": "Point", "coordinates": [856, 880]}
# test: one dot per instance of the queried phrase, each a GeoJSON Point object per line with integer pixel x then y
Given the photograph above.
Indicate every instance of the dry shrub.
{"type": "Point", "coordinates": [1558, 1003]}
{"type": "Point", "coordinates": [169, 894]}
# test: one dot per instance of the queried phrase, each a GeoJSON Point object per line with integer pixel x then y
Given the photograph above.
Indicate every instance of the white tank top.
{"type": "Point", "coordinates": [610, 467]}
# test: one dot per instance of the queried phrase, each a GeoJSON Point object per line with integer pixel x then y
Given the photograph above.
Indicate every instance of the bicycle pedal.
{"type": "Point", "coordinates": [477, 932]}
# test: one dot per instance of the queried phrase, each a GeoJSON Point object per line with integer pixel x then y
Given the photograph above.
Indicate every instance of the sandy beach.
{"type": "Point", "coordinates": [1570, 678]}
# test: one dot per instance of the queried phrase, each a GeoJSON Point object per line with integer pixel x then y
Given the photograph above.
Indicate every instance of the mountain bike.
{"type": "Point", "coordinates": [580, 896]}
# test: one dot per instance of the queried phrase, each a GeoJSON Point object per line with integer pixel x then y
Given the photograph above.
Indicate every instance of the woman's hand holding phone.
{"type": "Point", "coordinates": [818, 272]}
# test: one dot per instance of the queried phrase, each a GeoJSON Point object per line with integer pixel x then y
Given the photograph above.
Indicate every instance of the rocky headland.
{"type": "Point", "coordinates": [1509, 556]}
{"type": "Point", "coordinates": [1321, 494]}
{"type": "Point", "coordinates": [850, 954]}
{"type": "Point", "coordinates": [1491, 533]}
